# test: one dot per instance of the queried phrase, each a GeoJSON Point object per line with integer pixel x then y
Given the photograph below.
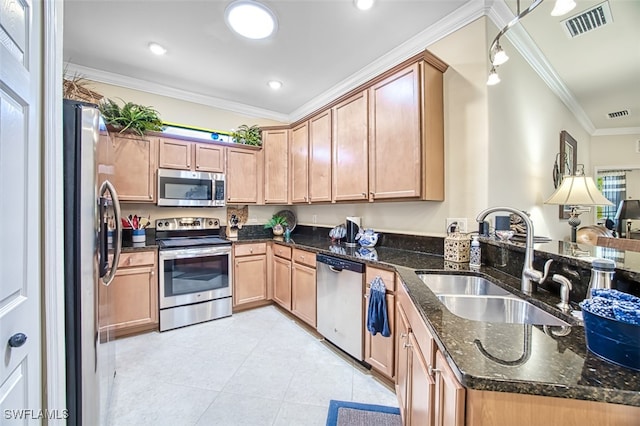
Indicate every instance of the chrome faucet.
{"type": "Point", "coordinates": [530, 276]}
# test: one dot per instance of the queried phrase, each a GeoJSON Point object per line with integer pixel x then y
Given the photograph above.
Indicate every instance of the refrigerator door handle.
{"type": "Point", "coordinates": [107, 273]}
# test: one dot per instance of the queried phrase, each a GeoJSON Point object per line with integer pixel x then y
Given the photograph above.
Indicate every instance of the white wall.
{"type": "Point", "coordinates": [617, 151]}
{"type": "Point", "coordinates": [181, 112]}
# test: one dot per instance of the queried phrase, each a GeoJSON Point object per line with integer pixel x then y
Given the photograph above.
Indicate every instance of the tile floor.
{"type": "Point", "coordinates": [258, 367]}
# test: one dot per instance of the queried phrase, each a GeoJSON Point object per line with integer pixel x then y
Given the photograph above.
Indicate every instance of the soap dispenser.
{"type": "Point", "coordinates": [474, 254]}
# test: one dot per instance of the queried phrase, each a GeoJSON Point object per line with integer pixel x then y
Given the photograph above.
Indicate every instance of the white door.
{"type": "Point", "coordinates": [20, 211]}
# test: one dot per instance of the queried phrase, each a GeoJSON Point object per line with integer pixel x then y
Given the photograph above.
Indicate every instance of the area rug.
{"type": "Point", "coordinates": [343, 413]}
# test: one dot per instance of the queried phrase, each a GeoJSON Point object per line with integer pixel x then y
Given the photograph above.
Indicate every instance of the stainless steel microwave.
{"type": "Point", "coordinates": [190, 189]}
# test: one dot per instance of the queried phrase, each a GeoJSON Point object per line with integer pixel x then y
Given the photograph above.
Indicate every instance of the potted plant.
{"type": "Point", "coordinates": [248, 135]}
{"type": "Point", "coordinates": [277, 224]}
{"type": "Point", "coordinates": [130, 117]}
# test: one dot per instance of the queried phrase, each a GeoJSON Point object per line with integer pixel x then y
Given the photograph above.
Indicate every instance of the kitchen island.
{"type": "Point", "coordinates": [523, 359]}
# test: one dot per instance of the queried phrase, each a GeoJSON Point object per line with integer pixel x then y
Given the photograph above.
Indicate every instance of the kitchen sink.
{"type": "Point", "coordinates": [461, 284]}
{"type": "Point", "coordinates": [505, 309]}
{"type": "Point", "coordinates": [478, 299]}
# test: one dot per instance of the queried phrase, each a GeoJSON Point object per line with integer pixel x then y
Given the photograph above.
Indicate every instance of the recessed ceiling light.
{"type": "Point", "coordinates": [363, 4]}
{"type": "Point", "coordinates": [275, 84]}
{"type": "Point", "coordinates": [251, 19]}
{"type": "Point", "coordinates": [157, 49]}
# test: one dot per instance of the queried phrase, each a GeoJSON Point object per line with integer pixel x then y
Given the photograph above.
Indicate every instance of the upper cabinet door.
{"type": "Point", "coordinates": [209, 158]}
{"type": "Point", "coordinates": [135, 165]}
{"type": "Point", "coordinates": [320, 157]}
{"type": "Point", "coordinates": [175, 154]}
{"type": "Point", "coordinates": [242, 175]}
{"type": "Point", "coordinates": [394, 136]}
{"type": "Point", "coordinates": [276, 162]}
{"type": "Point", "coordinates": [300, 163]}
{"type": "Point", "coordinates": [350, 169]}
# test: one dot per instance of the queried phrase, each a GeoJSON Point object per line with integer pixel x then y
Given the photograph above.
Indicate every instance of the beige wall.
{"type": "Point", "coordinates": [615, 151]}
{"type": "Point", "coordinates": [500, 146]}
{"type": "Point", "coordinates": [181, 112]}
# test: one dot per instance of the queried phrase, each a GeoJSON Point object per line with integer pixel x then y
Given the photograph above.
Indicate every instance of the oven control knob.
{"type": "Point", "coordinates": [210, 222]}
{"type": "Point", "coordinates": [159, 224]}
{"type": "Point", "coordinates": [196, 223]}
{"type": "Point", "coordinates": [215, 222]}
{"type": "Point", "coordinates": [166, 223]}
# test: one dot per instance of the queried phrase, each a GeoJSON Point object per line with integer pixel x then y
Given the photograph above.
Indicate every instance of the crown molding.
{"type": "Point", "coordinates": [500, 14]}
{"type": "Point", "coordinates": [162, 90]}
{"type": "Point", "coordinates": [617, 131]}
{"type": "Point", "coordinates": [460, 17]}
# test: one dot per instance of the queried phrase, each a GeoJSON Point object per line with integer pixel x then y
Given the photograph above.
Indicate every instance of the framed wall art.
{"type": "Point", "coordinates": [568, 163]}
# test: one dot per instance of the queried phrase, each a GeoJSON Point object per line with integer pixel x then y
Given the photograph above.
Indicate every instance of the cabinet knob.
{"type": "Point", "coordinates": [432, 371]}
{"type": "Point", "coordinates": [364, 194]}
{"type": "Point", "coordinates": [250, 250]}
{"type": "Point", "coordinates": [305, 198]}
{"type": "Point", "coordinates": [17, 340]}
{"type": "Point", "coordinates": [403, 335]}
{"type": "Point", "coordinates": [407, 345]}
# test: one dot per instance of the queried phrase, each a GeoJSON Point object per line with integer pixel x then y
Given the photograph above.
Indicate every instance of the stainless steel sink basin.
{"type": "Point", "coordinates": [505, 309]}
{"type": "Point", "coordinates": [478, 299]}
{"type": "Point", "coordinates": [461, 284]}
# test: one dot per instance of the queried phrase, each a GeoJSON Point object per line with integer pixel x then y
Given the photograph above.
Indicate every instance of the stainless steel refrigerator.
{"type": "Point", "coordinates": [90, 206]}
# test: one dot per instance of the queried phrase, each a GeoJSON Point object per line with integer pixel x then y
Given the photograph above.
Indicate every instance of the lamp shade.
{"type": "Point", "coordinates": [578, 191]}
{"type": "Point", "coordinates": [628, 209]}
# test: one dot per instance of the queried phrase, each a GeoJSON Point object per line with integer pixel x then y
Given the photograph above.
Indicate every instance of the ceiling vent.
{"type": "Point", "coordinates": [618, 114]}
{"type": "Point", "coordinates": [588, 20]}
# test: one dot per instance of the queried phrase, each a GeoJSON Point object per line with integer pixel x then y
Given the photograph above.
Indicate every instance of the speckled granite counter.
{"type": "Point", "coordinates": [517, 358]}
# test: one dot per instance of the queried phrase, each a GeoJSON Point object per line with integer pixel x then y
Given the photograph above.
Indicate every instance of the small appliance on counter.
{"type": "Point", "coordinates": [353, 227]}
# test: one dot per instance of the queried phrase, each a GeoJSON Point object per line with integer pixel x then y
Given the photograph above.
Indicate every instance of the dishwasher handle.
{"type": "Point", "coordinates": [337, 264]}
{"type": "Point", "coordinates": [334, 269]}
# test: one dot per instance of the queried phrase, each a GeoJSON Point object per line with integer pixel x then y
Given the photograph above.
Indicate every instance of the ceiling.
{"type": "Point", "coordinates": [320, 44]}
{"type": "Point", "coordinates": [600, 68]}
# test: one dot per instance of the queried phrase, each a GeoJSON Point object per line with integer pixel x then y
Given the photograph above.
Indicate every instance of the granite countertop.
{"type": "Point", "coordinates": [517, 358]}
{"type": "Point", "coordinates": [129, 247]}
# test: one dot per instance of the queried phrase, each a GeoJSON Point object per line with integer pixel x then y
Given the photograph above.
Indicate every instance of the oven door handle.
{"type": "Point", "coordinates": [191, 253]}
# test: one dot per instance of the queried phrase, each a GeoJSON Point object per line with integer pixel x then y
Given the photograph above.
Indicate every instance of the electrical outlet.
{"type": "Point", "coordinates": [461, 223]}
{"type": "Point", "coordinates": [314, 218]}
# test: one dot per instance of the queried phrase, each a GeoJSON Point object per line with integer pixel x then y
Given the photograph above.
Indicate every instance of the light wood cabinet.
{"type": "Point", "coordinates": [134, 293]}
{"type": "Point", "coordinates": [303, 292]}
{"type": "Point", "coordinates": [394, 136]}
{"type": "Point", "coordinates": [449, 395]}
{"type": "Point", "coordinates": [243, 175]}
{"type": "Point", "coordinates": [194, 156]}
{"type": "Point", "coordinates": [282, 278]}
{"type": "Point", "coordinates": [135, 166]}
{"type": "Point", "coordinates": [379, 351]}
{"type": "Point", "coordinates": [428, 391]}
{"type": "Point", "coordinates": [276, 166]}
{"type": "Point", "coordinates": [320, 157]}
{"type": "Point", "coordinates": [250, 274]}
{"type": "Point", "coordinates": [300, 163]}
{"type": "Point", "coordinates": [349, 169]}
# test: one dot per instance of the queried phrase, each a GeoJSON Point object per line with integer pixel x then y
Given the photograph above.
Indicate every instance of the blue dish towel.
{"type": "Point", "coordinates": [377, 318]}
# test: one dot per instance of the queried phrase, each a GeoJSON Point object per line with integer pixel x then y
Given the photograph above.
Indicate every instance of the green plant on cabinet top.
{"type": "Point", "coordinates": [130, 117]}
{"type": "Point", "coordinates": [248, 135]}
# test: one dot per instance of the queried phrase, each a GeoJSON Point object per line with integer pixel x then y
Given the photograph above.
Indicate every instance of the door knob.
{"type": "Point", "coordinates": [17, 340]}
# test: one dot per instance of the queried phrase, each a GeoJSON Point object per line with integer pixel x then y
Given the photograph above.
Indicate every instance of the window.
{"type": "Point", "coordinates": [613, 185]}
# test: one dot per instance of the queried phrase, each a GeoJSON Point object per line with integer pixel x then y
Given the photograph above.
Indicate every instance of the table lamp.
{"type": "Point", "coordinates": [627, 210]}
{"type": "Point", "coordinates": [577, 190]}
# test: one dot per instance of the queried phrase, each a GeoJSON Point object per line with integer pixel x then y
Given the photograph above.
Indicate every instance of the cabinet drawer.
{"type": "Point", "coordinates": [282, 251]}
{"type": "Point", "coordinates": [137, 258]}
{"type": "Point", "coordinates": [304, 257]}
{"type": "Point", "coordinates": [249, 249]}
{"type": "Point", "coordinates": [389, 277]}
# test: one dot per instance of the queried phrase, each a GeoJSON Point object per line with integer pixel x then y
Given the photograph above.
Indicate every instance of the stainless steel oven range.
{"type": "Point", "coordinates": [195, 271]}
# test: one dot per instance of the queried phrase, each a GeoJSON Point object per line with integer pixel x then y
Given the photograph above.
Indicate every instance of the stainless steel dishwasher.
{"type": "Point", "coordinates": [340, 315]}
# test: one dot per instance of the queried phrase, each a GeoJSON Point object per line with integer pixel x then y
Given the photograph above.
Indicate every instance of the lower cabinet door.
{"type": "Point", "coordinates": [379, 350]}
{"type": "Point", "coordinates": [282, 282]}
{"type": "Point", "coordinates": [250, 280]}
{"type": "Point", "coordinates": [304, 293]}
{"type": "Point", "coordinates": [134, 292]}
{"type": "Point", "coordinates": [450, 395]}
{"type": "Point", "coordinates": [422, 388]}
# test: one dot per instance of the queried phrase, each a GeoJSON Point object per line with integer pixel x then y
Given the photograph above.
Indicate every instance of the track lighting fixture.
{"type": "Point", "coordinates": [497, 56]}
